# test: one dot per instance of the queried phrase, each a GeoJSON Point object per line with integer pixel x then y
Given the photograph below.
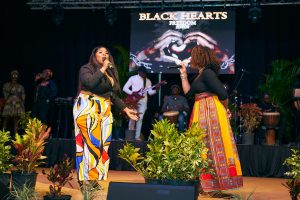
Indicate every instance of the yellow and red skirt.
{"type": "Point", "coordinates": [93, 126]}
{"type": "Point", "coordinates": [211, 115]}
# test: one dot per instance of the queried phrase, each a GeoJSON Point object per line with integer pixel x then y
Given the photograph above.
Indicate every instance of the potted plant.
{"type": "Point", "coordinates": [91, 191]}
{"type": "Point", "coordinates": [59, 175]}
{"type": "Point", "coordinates": [293, 163]}
{"type": "Point", "coordinates": [279, 84]}
{"type": "Point", "coordinates": [24, 192]}
{"type": "Point", "coordinates": [5, 157]}
{"type": "Point", "coordinates": [29, 149]}
{"type": "Point", "coordinates": [251, 116]}
{"type": "Point", "coordinates": [173, 157]}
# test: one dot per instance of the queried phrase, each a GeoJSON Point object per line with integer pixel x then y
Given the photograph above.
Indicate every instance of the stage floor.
{"type": "Point", "coordinates": [264, 188]}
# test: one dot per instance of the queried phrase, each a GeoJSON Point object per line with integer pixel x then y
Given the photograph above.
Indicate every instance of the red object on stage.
{"type": "Point", "coordinates": [232, 171]}
{"type": "Point", "coordinates": [206, 176]}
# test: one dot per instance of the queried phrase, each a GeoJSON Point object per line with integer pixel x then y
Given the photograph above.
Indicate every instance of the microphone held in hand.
{"type": "Point", "coordinates": [174, 67]}
{"type": "Point", "coordinates": [110, 65]}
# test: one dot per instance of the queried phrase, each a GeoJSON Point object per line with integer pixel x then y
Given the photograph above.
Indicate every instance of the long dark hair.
{"type": "Point", "coordinates": [113, 72]}
{"type": "Point", "coordinates": [204, 57]}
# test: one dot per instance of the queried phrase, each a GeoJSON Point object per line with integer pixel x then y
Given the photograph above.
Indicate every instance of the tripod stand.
{"type": "Point", "coordinates": [236, 104]}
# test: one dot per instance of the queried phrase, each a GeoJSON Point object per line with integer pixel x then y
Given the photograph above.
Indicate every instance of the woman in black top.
{"type": "Point", "coordinates": [210, 111]}
{"type": "Point", "coordinates": [98, 87]}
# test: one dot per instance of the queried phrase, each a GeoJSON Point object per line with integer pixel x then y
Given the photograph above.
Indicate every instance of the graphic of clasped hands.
{"type": "Point", "coordinates": [174, 47]}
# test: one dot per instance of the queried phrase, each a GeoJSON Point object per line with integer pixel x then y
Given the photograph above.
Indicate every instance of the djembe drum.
{"type": "Point", "coordinates": [271, 121]}
{"type": "Point", "coordinates": [172, 116]}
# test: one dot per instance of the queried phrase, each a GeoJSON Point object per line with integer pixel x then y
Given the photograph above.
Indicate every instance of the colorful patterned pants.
{"type": "Point", "coordinates": [212, 118]}
{"type": "Point", "coordinates": [93, 126]}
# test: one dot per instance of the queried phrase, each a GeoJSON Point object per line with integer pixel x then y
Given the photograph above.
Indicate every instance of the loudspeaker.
{"type": "Point", "coordinates": [142, 191]}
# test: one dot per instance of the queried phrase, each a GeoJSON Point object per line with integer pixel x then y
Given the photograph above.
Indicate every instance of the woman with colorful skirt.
{"type": "Point", "coordinates": [98, 88]}
{"type": "Point", "coordinates": [211, 112]}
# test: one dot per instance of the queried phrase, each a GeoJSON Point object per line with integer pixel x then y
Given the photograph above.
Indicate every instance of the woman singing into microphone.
{"type": "Point", "coordinates": [98, 87]}
{"type": "Point", "coordinates": [211, 113]}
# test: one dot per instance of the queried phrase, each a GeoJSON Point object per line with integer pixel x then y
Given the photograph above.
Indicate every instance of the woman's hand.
{"type": "Point", "coordinates": [132, 114]}
{"type": "Point", "coordinates": [105, 65]}
{"type": "Point", "coordinates": [182, 69]}
{"type": "Point", "coordinates": [229, 115]}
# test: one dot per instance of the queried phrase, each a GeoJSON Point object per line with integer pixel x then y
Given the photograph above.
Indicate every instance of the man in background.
{"type": "Point", "coordinates": [176, 102]}
{"type": "Point", "coordinates": [45, 93]}
{"type": "Point", "coordinates": [139, 86]}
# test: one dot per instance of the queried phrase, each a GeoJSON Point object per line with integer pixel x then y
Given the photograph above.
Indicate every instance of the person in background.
{"type": "Point", "coordinates": [139, 86]}
{"type": "Point", "coordinates": [176, 102]}
{"type": "Point", "coordinates": [98, 88]}
{"type": "Point", "coordinates": [266, 105]}
{"type": "Point", "coordinates": [14, 95]}
{"type": "Point", "coordinates": [45, 93]}
{"type": "Point", "coordinates": [211, 113]}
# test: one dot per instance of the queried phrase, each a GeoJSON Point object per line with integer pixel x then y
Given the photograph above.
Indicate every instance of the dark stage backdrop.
{"type": "Point", "coordinates": [30, 41]}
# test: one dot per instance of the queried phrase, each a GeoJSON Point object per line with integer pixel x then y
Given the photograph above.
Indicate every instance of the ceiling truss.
{"type": "Point", "coordinates": [148, 4]}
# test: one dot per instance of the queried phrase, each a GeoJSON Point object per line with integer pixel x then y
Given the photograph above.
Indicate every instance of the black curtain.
{"type": "Point", "coordinates": [256, 160]}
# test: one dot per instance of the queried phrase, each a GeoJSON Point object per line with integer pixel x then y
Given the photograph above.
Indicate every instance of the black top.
{"type": "Point", "coordinates": [46, 91]}
{"type": "Point", "coordinates": [94, 81]}
{"type": "Point", "coordinates": [208, 81]}
{"type": "Point", "coordinates": [266, 107]}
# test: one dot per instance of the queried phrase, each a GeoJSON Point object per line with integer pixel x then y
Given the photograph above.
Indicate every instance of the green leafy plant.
{"type": "Point", "coordinates": [23, 193]}
{"type": "Point", "coordinates": [279, 84]}
{"type": "Point", "coordinates": [122, 62]}
{"type": "Point", "coordinates": [239, 196]}
{"type": "Point", "coordinates": [5, 148]}
{"type": "Point", "coordinates": [251, 115]}
{"type": "Point", "coordinates": [172, 155]}
{"type": "Point", "coordinates": [59, 175]}
{"type": "Point", "coordinates": [90, 191]}
{"type": "Point", "coordinates": [24, 119]}
{"type": "Point", "coordinates": [30, 146]}
{"type": "Point", "coordinates": [293, 163]}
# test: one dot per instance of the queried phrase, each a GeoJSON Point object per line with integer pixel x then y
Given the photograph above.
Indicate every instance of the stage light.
{"type": "Point", "coordinates": [57, 14]}
{"type": "Point", "coordinates": [110, 15]}
{"type": "Point", "coordinates": [254, 12]}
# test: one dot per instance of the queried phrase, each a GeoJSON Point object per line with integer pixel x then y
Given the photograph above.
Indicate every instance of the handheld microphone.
{"type": "Point", "coordinates": [110, 65]}
{"type": "Point", "coordinates": [245, 71]}
{"type": "Point", "coordinates": [174, 67]}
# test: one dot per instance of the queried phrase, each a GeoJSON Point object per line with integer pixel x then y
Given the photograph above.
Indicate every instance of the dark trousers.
{"type": "Point", "coordinates": [41, 111]}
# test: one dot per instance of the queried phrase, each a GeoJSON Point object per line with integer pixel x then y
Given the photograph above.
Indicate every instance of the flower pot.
{"type": "Point", "coordinates": [62, 197]}
{"type": "Point", "coordinates": [248, 138]}
{"type": "Point", "coordinates": [20, 179]}
{"type": "Point", "coordinates": [4, 185]}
